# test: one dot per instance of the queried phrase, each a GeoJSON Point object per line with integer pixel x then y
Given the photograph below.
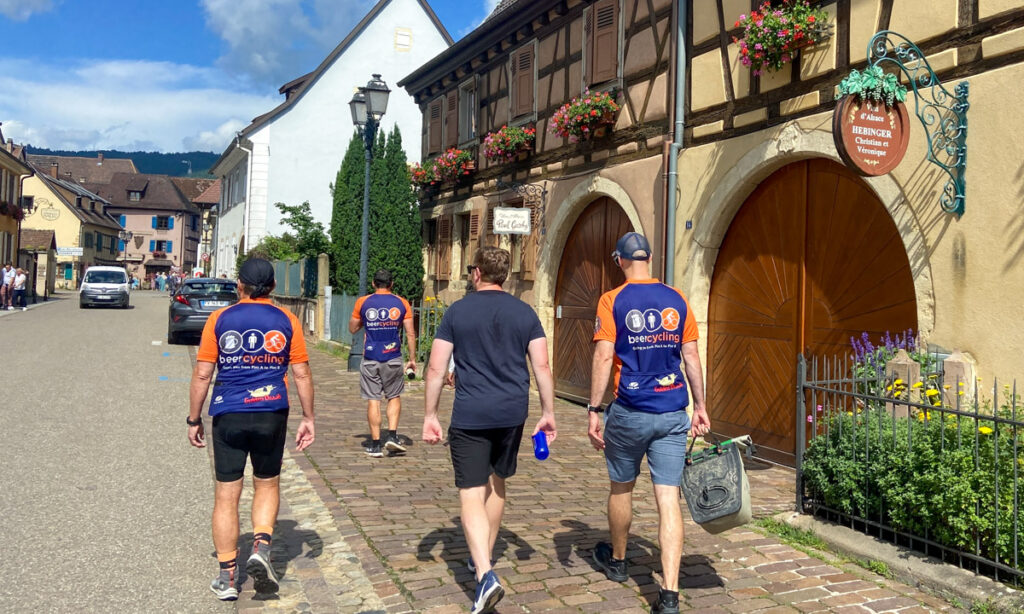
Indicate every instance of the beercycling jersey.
{"type": "Point", "coordinates": [648, 322]}
{"type": "Point", "coordinates": [252, 343]}
{"type": "Point", "coordinates": [382, 314]}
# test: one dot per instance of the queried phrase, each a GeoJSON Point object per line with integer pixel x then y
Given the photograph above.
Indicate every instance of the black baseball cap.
{"type": "Point", "coordinates": [632, 246]}
{"type": "Point", "coordinates": [256, 272]}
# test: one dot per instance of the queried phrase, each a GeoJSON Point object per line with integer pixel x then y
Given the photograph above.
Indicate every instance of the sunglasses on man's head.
{"type": "Point", "coordinates": [471, 268]}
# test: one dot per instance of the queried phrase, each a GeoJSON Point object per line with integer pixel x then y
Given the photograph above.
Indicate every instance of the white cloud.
{"type": "Point", "coordinates": [270, 42]}
{"type": "Point", "coordinates": [123, 105]}
{"type": "Point", "coordinates": [20, 10]}
{"type": "Point", "coordinates": [489, 6]}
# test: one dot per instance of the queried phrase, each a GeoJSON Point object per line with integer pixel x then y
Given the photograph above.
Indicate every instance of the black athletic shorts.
{"type": "Point", "coordinates": [257, 434]}
{"type": "Point", "coordinates": [479, 452]}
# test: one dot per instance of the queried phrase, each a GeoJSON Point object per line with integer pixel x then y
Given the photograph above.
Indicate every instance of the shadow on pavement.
{"type": "Point", "coordinates": [695, 570]}
{"type": "Point", "coordinates": [455, 551]}
{"type": "Point", "coordinates": [287, 546]}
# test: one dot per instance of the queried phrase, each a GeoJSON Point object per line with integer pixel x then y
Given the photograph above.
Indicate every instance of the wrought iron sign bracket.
{"type": "Point", "coordinates": [528, 192]}
{"type": "Point", "coordinates": [943, 115]}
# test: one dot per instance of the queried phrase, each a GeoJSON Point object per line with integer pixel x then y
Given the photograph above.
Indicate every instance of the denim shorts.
{"type": "Point", "coordinates": [630, 434]}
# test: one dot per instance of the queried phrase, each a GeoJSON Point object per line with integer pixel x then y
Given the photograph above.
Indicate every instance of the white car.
{"type": "Point", "coordinates": [104, 285]}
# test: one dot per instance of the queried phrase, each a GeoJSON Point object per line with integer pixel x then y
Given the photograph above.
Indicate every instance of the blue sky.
{"type": "Point", "coordinates": [165, 75]}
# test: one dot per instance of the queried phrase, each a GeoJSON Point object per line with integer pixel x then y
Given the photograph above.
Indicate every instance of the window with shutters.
{"type": "Point", "coordinates": [602, 30]}
{"type": "Point", "coordinates": [434, 127]}
{"type": "Point", "coordinates": [444, 247]}
{"type": "Point", "coordinates": [451, 120]}
{"type": "Point", "coordinates": [523, 76]}
{"type": "Point", "coordinates": [467, 111]}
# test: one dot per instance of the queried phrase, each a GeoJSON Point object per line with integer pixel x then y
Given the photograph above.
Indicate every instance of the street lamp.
{"type": "Point", "coordinates": [125, 236]}
{"type": "Point", "coordinates": [368, 106]}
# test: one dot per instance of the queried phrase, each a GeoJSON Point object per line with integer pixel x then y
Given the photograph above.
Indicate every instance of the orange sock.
{"type": "Point", "coordinates": [226, 559]}
{"type": "Point", "coordinates": [268, 531]}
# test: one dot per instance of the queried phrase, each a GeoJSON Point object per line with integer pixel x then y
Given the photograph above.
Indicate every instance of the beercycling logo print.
{"type": "Point", "coordinates": [252, 341]}
{"type": "Point", "coordinates": [660, 321]}
{"type": "Point", "coordinates": [383, 314]}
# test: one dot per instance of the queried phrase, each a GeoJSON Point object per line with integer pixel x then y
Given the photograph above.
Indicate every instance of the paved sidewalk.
{"type": "Point", "coordinates": [398, 517]}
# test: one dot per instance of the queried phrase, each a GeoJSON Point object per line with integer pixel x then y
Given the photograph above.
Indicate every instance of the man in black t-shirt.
{"type": "Point", "coordinates": [490, 332]}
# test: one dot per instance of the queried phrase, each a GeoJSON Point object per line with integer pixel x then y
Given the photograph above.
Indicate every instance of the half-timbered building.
{"type": "Point", "coordinates": [523, 63]}
{"type": "Point", "coordinates": [784, 250]}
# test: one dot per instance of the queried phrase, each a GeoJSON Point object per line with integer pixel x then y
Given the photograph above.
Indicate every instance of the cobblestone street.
{"type": "Point", "coordinates": [359, 534]}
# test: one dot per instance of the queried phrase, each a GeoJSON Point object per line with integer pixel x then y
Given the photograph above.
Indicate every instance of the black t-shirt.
{"type": "Point", "coordinates": [491, 331]}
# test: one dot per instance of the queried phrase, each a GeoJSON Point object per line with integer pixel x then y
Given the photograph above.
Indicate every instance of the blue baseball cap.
{"type": "Point", "coordinates": [632, 246]}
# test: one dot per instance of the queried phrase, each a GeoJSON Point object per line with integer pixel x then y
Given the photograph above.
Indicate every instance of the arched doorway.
{"type": "Point", "coordinates": [586, 271]}
{"type": "Point", "coordinates": [811, 259]}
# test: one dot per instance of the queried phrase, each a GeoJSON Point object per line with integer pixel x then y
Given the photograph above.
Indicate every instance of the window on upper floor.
{"type": "Point", "coordinates": [523, 77]}
{"type": "Point", "coordinates": [451, 119]}
{"type": "Point", "coordinates": [87, 238]}
{"type": "Point", "coordinates": [403, 40]}
{"type": "Point", "coordinates": [134, 195]}
{"type": "Point", "coordinates": [78, 202]}
{"type": "Point", "coordinates": [432, 120]}
{"type": "Point", "coordinates": [602, 32]}
{"type": "Point", "coordinates": [467, 111]}
{"type": "Point", "coordinates": [162, 222]}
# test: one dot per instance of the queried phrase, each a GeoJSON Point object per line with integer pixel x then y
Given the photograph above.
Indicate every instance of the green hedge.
{"type": "Point", "coordinates": [920, 473]}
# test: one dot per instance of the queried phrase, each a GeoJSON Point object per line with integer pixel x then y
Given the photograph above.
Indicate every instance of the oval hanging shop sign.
{"type": "Point", "coordinates": [871, 137]}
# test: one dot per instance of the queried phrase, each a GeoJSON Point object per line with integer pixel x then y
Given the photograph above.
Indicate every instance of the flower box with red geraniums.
{"type": "Point", "coordinates": [454, 165]}
{"type": "Point", "coordinates": [772, 36]}
{"type": "Point", "coordinates": [423, 176]}
{"type": "Point", "coordinates": [582, 118]}
{"type": "Point", "coordinates": [508, 143]}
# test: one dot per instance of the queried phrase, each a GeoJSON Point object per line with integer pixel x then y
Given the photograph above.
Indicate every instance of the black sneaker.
{"type": "Point", "coordinates": [668, 603]}
{"type": "Point", "coordinates": [615, 569]}
{"type": "Point", "coordinates": [393, 445]}
{"type": "Point", "coordinates": [374, 450]}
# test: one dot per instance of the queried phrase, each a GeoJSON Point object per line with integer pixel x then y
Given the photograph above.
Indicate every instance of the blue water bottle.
{"type": "Point", "coordinates": [540, 445]}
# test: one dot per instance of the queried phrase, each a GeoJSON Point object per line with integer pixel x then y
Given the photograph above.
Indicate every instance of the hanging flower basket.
{"type": "Point", "coordinates": [591, 115]}
{"type": "Point", "coordinates": [454, 165]}
{"type": "Point", "coordinates": [772, 36]}
{"type": "Point", "coordinates": [17, 213]}
{"type": "Point", "coordinates": [509, 143]}
{"type": "Point", "coordinates": [424, 177]}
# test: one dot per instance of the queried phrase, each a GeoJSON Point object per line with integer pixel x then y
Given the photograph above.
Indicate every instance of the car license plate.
{"type": "Point", "coordinates": [215, 303]}
{"type": "Point", "coordinates": [104, 297]}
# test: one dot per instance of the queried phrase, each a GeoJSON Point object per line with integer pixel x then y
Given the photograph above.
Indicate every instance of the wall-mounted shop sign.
{"type": "Point", "coordinates": [70, 251]}
{"type": "Point", "coordinates": [511, 221]}
{"type": "Point", "coordinates": [871, 137]}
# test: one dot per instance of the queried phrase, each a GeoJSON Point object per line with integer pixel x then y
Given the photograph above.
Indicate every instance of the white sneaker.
{"type": "Point", "coordinates": [24, 308]}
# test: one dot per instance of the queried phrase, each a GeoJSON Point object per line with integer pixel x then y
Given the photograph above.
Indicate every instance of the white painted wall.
{"type": "Point", "coordinates": [307, 143]}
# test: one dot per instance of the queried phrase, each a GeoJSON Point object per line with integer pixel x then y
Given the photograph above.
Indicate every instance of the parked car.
{"type": "Point", "coordinates": [104, 285]}
{"type": "Point", "coordinates": [194, 301]}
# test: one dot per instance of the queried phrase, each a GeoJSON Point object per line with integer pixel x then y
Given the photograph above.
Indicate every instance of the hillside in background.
{"type": "Point", "coordinates": [152, 162]}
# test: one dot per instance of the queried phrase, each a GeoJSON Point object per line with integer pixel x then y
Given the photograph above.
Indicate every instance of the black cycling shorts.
{"type": "Point", "coordinates": [477, 453]}
{"type": "Point", "coordinates": [258, 435]}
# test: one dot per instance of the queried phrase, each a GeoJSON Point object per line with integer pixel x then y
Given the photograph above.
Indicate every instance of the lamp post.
{"type": "Point", "coordinates": [368, 106]}
{"type": "Point", "coordinates": [125, 236]}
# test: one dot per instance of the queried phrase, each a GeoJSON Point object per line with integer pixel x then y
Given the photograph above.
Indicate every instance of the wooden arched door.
{"type": "Point", "coordinates": [585, 272]}
{"type": "Point", "coordinates": [811, 259]}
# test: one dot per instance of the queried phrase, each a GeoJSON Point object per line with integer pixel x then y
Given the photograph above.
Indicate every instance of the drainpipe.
{"type": "Point", "coordinates": [248, 191]}
{"type": "Point", "coordinates": [682, 9]}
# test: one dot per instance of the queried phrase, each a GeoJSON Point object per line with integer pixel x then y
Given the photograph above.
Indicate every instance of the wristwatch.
{"type": "Point", "coordinates": [198, 422]}
{"type": "Point", "coordinates": [596, 409]}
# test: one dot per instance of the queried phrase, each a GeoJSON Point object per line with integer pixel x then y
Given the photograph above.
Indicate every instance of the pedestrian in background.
{"type": "Point", "coordinates": [7, 289]}
{"type": "Point", "coordinates": [384, 315]}
{"type": "Point", "coordinates": [648, 330]}
{"type": "Point", "coordinates": [18, 285]}
{"type": "Point", "coordinates": [250, 416]}
{"type": "Point", "coordinates": [490, 333]}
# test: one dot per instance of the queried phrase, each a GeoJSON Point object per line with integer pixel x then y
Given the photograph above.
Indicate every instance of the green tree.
{"type": "Point", "coordinates": [395, 240]}
{"type": "Point", "coordinates": [311, 240]}
{"type": "Point", "coordinates": [346, 218]}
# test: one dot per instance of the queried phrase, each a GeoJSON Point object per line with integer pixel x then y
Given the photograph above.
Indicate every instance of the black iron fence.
{"type": "Point", "coordinates": [931, 464]}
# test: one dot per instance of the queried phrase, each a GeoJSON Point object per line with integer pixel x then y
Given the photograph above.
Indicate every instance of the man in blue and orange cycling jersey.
{"type": "Point", "coordinates": [251, 344]}
{"type": "Point", "coordinates": [647, 330]}
{"type": "Point", "coordinates": [380, 375]}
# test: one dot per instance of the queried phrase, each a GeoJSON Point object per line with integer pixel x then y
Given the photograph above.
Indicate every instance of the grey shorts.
{"type": "Point", "coordinates": [377, 379]}
{"type": "Point", "coordinates": [630, 434]}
